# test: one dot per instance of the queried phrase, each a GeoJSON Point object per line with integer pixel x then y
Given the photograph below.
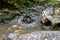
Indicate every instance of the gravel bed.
{"type": "Point", "coordinates": [39, 35]}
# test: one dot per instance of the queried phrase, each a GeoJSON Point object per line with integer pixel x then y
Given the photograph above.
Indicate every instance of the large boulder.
{"type": "Point", "coordinates": [52, 13]}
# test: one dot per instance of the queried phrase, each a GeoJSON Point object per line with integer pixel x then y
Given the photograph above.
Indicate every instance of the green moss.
{"type": "Point", "coordinates": [1, 17]}
{"type": "Point", "coordinates": [49, 1]}
{"type": "Point", "coordinates": [11, 15]}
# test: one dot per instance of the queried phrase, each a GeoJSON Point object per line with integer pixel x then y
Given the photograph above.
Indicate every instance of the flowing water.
{"type": "Point", "coordinates": [20, 27]}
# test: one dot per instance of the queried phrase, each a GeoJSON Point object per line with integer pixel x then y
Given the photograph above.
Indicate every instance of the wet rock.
{"type": "Point", "coordinates": [46, 27]}
{"type": "Point", "coordinates": [33, 9]}
{"type": "Point", "coordinates": [52, 14]}
{"type": "Point", "coordinates": [12, 35]}
{"type": "Point", "coordinates": [33, 19]}
{"type": "Point", "coordinates": [7, 39]}
{"type": "Point", "coordinates": [47, 22]}
{"type": "Point", "coordinates": [30, 18]}
{"type": "Point", "coordinates": [37, 9]}
{"type": "Point", "coordinates": [39, 35]}
{"type": "Point", "coordinates": [27, 19]}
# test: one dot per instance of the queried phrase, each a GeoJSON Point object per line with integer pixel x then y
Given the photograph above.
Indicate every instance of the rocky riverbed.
{"type": "Point", "coordinates": [33, 13]}
{"type": "Point", "coordinates": [23, 28]}
{"type": "Point", "coordinates": [37, 35]}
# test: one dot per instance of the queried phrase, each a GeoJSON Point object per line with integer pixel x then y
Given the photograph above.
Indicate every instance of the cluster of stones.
{"type": "Point", "coordinates": [41, 35]}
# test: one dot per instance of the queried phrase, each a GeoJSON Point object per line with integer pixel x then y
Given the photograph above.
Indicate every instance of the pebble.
{"type": "Point", "coordinates": [19, 27]}
{"type": "Point", "coordinates": [14, 26]}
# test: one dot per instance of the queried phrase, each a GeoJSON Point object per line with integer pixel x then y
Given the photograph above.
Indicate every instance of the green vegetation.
{"type": "Point", "coordinates": [11, 15]}
{"type": "Point", "coordinates": [1, 17]}
{"type": "Point", "coordinates": [51, 1]}
{"type": "Point", "coordinates": [20, 4]}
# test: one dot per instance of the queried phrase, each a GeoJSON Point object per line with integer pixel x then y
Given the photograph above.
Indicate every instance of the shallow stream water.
{"type": "Point", "coordinates": [17, 26]}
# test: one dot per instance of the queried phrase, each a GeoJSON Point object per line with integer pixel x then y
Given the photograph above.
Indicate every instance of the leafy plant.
{"type": "Point", "coordinates": [11, 15]}
{"type": "Point", "coordinates": [22, 2]}
{"type": "Point", "coordinates": [49, 1]}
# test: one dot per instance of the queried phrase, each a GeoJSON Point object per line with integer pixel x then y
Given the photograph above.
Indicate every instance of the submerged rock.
{"type": "Point", "coordinates": [27, 19]}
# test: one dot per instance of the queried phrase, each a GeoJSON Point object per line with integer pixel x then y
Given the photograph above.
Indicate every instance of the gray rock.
{"type": "Point", "coordinates": [7, 39]}
{"type": "Point", "coordinates": [33, 17]}
{"type": "Point", "coordinates": [38, 35]}
{"type": "Point", "coordinates": [53, 16]}
{"type": "Point", "coordinates": [27, 19]}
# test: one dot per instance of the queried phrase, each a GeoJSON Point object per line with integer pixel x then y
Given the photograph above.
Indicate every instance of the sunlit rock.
{"type": "Point", "coordinates": [14, 26]}
{"type": "Point", "coordinates": [52, 13]}
{"type": "Point", "coordinates": [20, 27]}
